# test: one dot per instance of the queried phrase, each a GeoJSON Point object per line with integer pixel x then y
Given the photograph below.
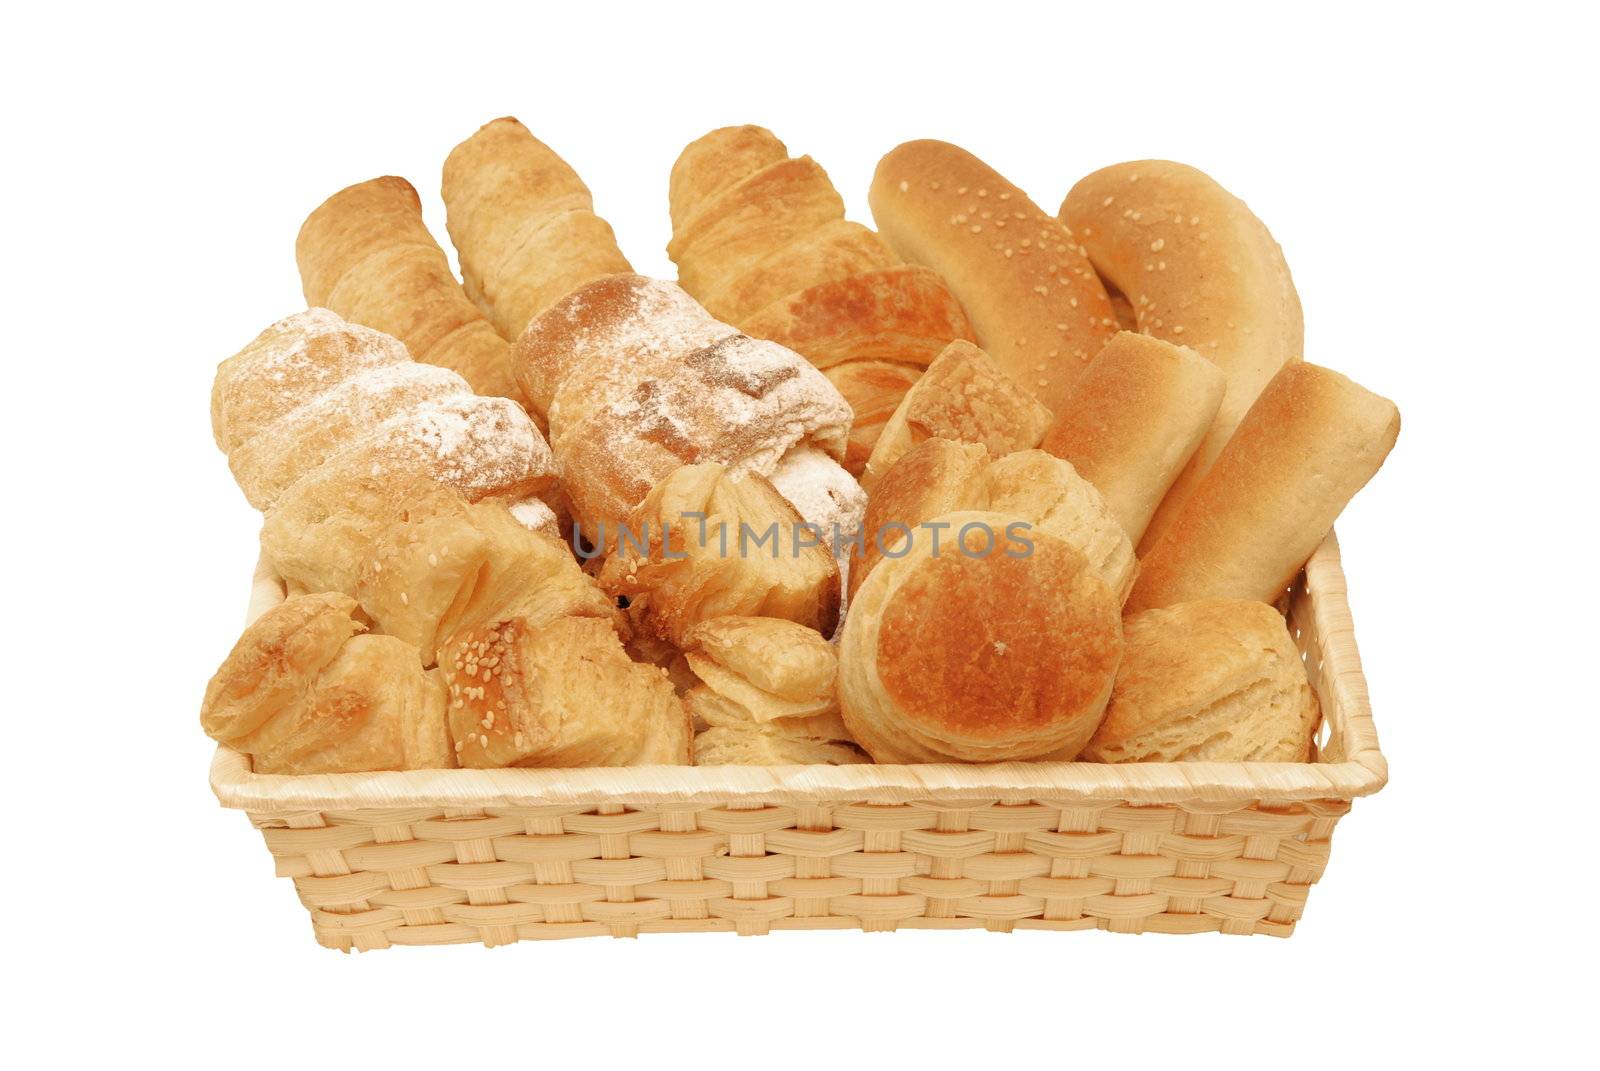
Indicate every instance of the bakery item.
{"type": "Point", "coordinates": [637, 379]}
{"type": "Point", "coordinates": [1001, 646]}
{"type": "Point", "coordinates": [1035, 302]}
{"type": "Point", "coordinates": [1198, 270]}
{"type": "Point", "coordinates": [329, 427]}
{"type": "Point", "coordinates": [1218, 680]}
{"type": "Point", "coordinates": [1311, 441]}
{"type": "Point", "coordinates": [1043, 492]}
{"type": "Point", "coordinates": [1134, 418]}
{"type": "Point", "coordinates": [366, 254]}
{"type": "Point", "coordinates": [704, 544]}
{"type": "Point", "coordinates": [445, 566]}
{"type": "Point", "coordinates": [965, 397]}
{"type": "Point", "coordinates": [525, 692]}
{"type": "Point", "coordinates": [765, 693]}
{"type": "Point", "coordinates": [305, 691]}
{"type": "Point", "coordinates": [761, 240]}
{"type": "Point", "coordinates": [523, 224]}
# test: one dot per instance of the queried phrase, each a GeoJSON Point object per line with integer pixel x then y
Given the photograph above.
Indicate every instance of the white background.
{"type": "Point", "coordinates": [1428, 175]}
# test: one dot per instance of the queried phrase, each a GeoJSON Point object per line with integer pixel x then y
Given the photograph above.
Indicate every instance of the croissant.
{"type": "Point", "coordinates": [762, 241]}
{"type": "Point", "coordinates": [523, 224]}
{"type": "Point", "coordinates": [1045, 492]}
{"type": "Point", "coordinates": [636, 379]}
{"type": "Point", "coordinates": [704, 545]}
{"type": "Point", "coordinates": [366, 254]}
{"type": "Point", "coordinates": [765, 690]}
{"type": "Point", "coordinates": [303, 691]}
{"type": "Point", "coordinates": [329, 427]}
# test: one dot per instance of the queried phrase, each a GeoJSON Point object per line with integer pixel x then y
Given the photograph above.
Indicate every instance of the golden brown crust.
{"type": "Point", "coordinates": [559, 694]}
{"type": "Point", "coordinates": [1199, 270]}
{"type": "Point", "coordinates": [1311, 441]}
{"type": "Point", "coordinates": [1135, 417]}
{"type": "Point", "coordinates": [303, 692]}
{"type": "Point", "coordinates": [366, 254]}
{"type": "Point", "coordinates": [874, 390]}
{"type": "Point", "coordinates": [965, 397]}
{"type": "Point", "coordinates": [716, 161]}
{"type": "Point", "coordinates": [953, 657]}
{"type": "Point", "coordinates": [1034, 300]}
{"type": "Point", "coordinates": [1218, 680]}
{"type": "Point", "coordinates": [939, 476]}
{"type": "Point", "coordinates": [523, 224]}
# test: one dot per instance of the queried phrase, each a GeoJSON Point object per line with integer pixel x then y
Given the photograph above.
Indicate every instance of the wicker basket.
{"type": "Point", "coordinates": [449, 856]}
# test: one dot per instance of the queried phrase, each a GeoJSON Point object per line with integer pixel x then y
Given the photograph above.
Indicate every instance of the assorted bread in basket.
{"type": "Point", "coordinates": [986, 485]}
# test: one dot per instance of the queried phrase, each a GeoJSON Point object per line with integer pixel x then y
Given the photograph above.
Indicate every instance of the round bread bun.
{"type": "Point", "coordinates": [990, 643]}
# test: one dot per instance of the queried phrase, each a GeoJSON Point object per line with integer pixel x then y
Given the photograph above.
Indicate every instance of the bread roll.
{"type": "Point", "coordinates": [1134, 419]}
{"type": "Point", "coordinates": [704, 545]}
{"type": "Point", "coordinates": [523, 224]}
{"type": "Point", "coordinates": [766, 692]}
{"type": "Point", "coordinates": [1199, 270]}
{"type": "Point", "coordinates": [965, 397]}
{"type": "Point", "coordinates": [1213, 681]}
{"type": "Point", "coordinates": [1001, 646]}
{"type": "Point", "coordinates": [558, 693]}
{"type": "Point", "coordinates": [303, 692]}
{"type": "Point", "coordinates": [366, 254]}
{"type": "Point", "coordinates": [941, 476]}
{"type": "Point", "coordinates": [1311, 441]}
{"type": "Point", "coordinates": [1035, 302]}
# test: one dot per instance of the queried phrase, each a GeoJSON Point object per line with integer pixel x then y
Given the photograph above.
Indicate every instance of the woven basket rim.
{"type": "Point", "coordinates": [1362, 772]}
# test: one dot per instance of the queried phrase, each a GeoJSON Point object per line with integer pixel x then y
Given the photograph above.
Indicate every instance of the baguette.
{"type": "Point", "coordinates": [1134, 420]}
{"type": "Point", "coordinates": [1199, 270]}
{"type": "Point", "coordinates": [1311, 441]}
{"type": "Point", "coordinates": [1034, 299]}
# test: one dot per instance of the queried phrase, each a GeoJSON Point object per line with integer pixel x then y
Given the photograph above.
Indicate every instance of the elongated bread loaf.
{"type": "Point", "coordinates": [1311, 441]}
{"type": "Point", "coordinates": [523, 224]}
{"type": "Point", "coordinates": [1134, 419]}
{"type": "Point", "coordinates": [1034, 299]}
{"type": "Point", "coordinates": [1199, 270]}
{"type": "Point", "coordinates": [366, 254]}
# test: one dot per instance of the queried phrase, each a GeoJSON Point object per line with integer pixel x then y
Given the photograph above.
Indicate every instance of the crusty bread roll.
{"type": "Point", "coordinates": [703, 544]}
{"type": "Point", "coordinates": [975, 656]}
{"type": "Point", "coordinates": [1035, 302]}
{"type": "Point", "coordinates": [523, 224]}
{"type": "Point", "coordinates": [558, 693]}
{"type": "Point", "coordinates": [1311, 441]}
{"type": "Point", "coordinates": [1213, 681]}
{"type": "Point", "coordinates": [366, 254]}
{"type": "Point", "coordinates": [445, 566]}
{"type": "Point", "coordinates": [942, 476]}
{"type": "Point", "coordinates": [637, 379]}
{"type": "Point", "coordinates": [766, 693]}
{"type": "Point", "coordinates": [1199, 270]}
{"type": "Point", "coordinates": [1134, 419]}
{"type": "Point", "coordinates": [964, 396]}
{"type": "Point", "coordinates": [303, 692]}
{"type": "Point", "coordinates": [762, 241]}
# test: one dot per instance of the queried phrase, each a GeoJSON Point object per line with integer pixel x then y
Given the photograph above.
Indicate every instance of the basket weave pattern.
{"type": "Point", "coordinates": [435, 857]}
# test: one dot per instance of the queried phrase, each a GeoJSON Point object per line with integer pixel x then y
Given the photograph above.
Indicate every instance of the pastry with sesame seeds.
{"type": "Point", "coordinates": [1199, 270]}
{"type": "Point", "coordinates": [1035, 302]}
{"type": "Point", "coordinates": [761, 239]}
